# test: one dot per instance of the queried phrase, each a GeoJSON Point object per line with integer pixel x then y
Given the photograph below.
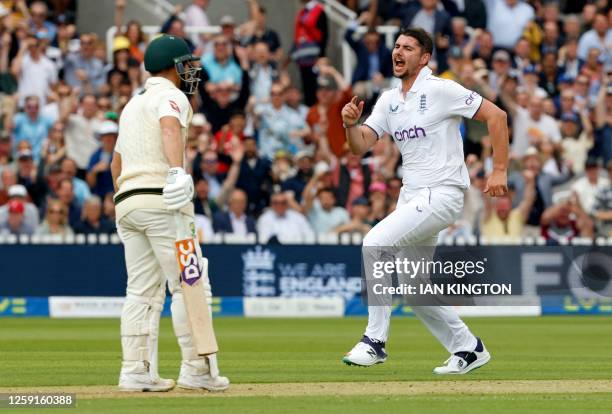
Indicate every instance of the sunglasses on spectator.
{"type": "Point", "coordinates": [210, 161]}
{"type": "Point", "coordinates": [31, 107]}
{"type": "Point", "coordinates": [279, 202]}
{"type": "Point", "coordinates": [277, 93]}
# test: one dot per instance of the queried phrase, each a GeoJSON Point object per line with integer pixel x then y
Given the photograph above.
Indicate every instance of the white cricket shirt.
{"type": "Point", "coordinates": [425, 127]}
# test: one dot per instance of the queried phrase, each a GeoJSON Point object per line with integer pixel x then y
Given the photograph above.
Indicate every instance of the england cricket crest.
{"type": "Point", "coordinates": [422, 104]}
{"type": "Point", "coordinates": [187, 257]}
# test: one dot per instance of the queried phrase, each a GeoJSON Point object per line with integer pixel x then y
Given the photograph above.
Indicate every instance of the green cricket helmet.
{"type": "Point", "coordinates": [170, 51]}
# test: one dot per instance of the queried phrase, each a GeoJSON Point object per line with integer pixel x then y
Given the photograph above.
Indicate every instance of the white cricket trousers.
{"type": "Point", "coordinates": [148, 236]}
{"type": "Point", "coordinates": [418, 218]}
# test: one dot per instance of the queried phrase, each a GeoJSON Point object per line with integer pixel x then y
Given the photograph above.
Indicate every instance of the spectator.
{"type": "Point", "coordinates": [39, 23]}
{"type": "Point", "coordinates": [566, 220]}
{"type": "Point", "coordinates": [264, 73]}
{"type": "Point", "coordinates": [8, 178]}
{"type": "Point", "coordinates": [602, 209]}
{"type": "Point", "coordinates": [499, 13]}
{"type": "Point", "coordinates": [220, 65]}
{"type": "Point", "coordinates": [359, 218]}
{"type": "Point", "coordinates": [204, 205]}
{"type": "Point", "coordinates": [373, 60]}
{"type": "Point", "coordinates": [83, 69]}
{"type": "Point", "coordinates": [17, 192]}
{"type": "Point", "coordinates": [304, 172]}
{"type": "Point", "coordinates": [208, 168]}
{"type": "Point", "coordinates": [309, 44]}
{"type": "Point", "coordinates": [230, 137]}
{"type": "Point", "coordinates": [293, 99]}
{"type": "Point", "coordinates": [379, 203]}
{"type": "Point", "coordinates": [324, 118]}
{"type": "Point", "coordinates": [99, 175]}
{"type": "Point", "coordinates": [501, 220]}
{"type": "Point", "coordinates": [203, 227]}
{"type": "Point", "coordinates": [195, 16]}
{"type": "Point", "coordinates": [81, 189]}
{"type": "Point", "coordinates": [323, 214]}
{"type": "Point", "coordinates": [586, 188]}
{"type": "Point", "coordinates": [217, 101]}
{"type": "Point", "coordinates": [35, 72]}
{"type": "Point", "coordinates": [603, 122]}
{"type": "Point", "coordinates": [92, 221]}
{"type": "Point", "coordinates": [56, 220]}
{"type": "Point", "coordinates": [26, 168]}
{"type": "Point", "coordinates": [280, 128]}
{"type": "Point", "coordinates": [14, 222]}
{"type": "Point", "coordinates": [256, 30]}
{"type": "Point", "coordinates": [544, 188]}
{"type": "Point", "coordinates": [481, 47]}
{"type": "Point", "coordinates": [353, 178]}
{"type": "Point", "coordinates": [81, 123]}
{"type": "Point", "coordinates": [427, 15]}
{"type": "Point", "coordinates": [65, 194]}
{"type": "Point", "coordinates": [254, 178]}
{"type": "Point", "coordinates": [501, 69]}
{"type": "Point", "coordinates": [575, 143]}
{"type": "Point", "coordinates": [281, 224]}
{"type": "Point", "coordinates": [53, 148]}
{"type": "Point", "coordinates": [133, 31]}
{"type": "Point", "coordinates": [31, 126]}
{"type": "Point", "coordinates": [599, 37]}
{"type": "Point", "coordinates": [108, 208]}
{"type": "Point", "coordinates": [235, 220]}
{"type": "Point", "coordinates": [531, 125]}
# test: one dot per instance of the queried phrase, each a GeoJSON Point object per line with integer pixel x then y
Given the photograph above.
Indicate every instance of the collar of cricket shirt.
{"type": "Point", "coordinates": [416, 86]}
{"type": "Point", "coordinates": [156, 80]}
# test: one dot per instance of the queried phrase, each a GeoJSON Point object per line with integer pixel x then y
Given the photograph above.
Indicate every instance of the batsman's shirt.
{"type": "Point", "coordinates": [425, 127]}
{"type": "Point", "coordinates": [143, 162]}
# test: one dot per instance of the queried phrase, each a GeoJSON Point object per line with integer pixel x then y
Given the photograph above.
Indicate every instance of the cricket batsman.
{"type": "Point", "coordinates": [151, 186]}
{"type": "Point", "coordinates": [423, 115]}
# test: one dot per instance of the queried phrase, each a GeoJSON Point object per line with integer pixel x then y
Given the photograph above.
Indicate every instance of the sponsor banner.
{"type": "Point", "coordinates": [23, 306]}
{"type": "Point", "coordinates": [355, 307]}
{"type": "Point", "coordinates": [110, 307]}
{"type": "Point", "coordinates": [293, 307]}
{"type": "Point", "coordinates": [85, 307]}
{"type": "Point", "coordinates": [571, 305]}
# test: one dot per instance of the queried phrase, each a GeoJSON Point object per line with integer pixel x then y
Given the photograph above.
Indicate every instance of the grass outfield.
{"type": "Point", "coordinates": [54, 353]}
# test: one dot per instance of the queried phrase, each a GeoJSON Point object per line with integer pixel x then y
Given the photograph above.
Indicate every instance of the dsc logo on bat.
{"type": "Point", "coordinates": [188, 261]}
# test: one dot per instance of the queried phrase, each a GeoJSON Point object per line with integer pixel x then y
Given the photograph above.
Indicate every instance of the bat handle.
{"type": "Point", "coordinates": [178, 223]}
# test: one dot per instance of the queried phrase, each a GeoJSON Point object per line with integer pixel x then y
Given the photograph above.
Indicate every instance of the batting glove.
{"type": "Point", "coordinates": [178, 191]}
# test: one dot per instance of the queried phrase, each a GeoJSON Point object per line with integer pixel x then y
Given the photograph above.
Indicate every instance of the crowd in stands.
{"type": "Point", "coordinates": [266, 145]}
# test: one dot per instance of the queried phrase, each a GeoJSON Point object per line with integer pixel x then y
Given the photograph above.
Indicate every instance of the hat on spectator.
{"type": "Point", "coordinates": [4, 11]}
{"type": "Point", "coordinates": [566, 79]}
{"type": "Point", "coordinates": [16, 206]}
{"type": "Point", "coordinates": [107, 128]}
{"type": "Point", "coordinates": [501, 55]}
{"type": "Point", "coordinates": [591, 162]}
{"type": "Point", "coordinates": [530, 70]}
{"type": "Point", "coordinates": [120, 43]}
{"type": "Point", "coordinates": [360, 201]}
{"type": "Point", "coordinates": [111, 115]}
{"type": "Point", "coordinates": [24, 154]}
{"type": "Point", "coordinates": [61, 19]}
{"type": "Point", "coordinates": [570, 117]}
{"type": "Point", "coordinates": [455, 52]}
{"type": "Point", "coordinates": [17, 190]}
{"type": "Point", "coordinates": [327, 82]}
{"type": "Point", "coordinates": [227, 20]}
{"type": "Point", "coordinates": [302, 154]}
{"type": "Point", "coordinates": [198, 120]}
{"type": "Point", "coordinates": [42, 35]}
{"type": "Point", "coordinates": [514, 74]}
{"type": "Point", "coordinates": [378, 186]}
{"type": "Point", "coordinates": [282, 154]}
{"type": "Point", "coordinates": [531, 151]}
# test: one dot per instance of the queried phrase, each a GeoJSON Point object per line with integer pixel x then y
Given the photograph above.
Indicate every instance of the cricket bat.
{"type": "Point", "coordinates": [198, 312]}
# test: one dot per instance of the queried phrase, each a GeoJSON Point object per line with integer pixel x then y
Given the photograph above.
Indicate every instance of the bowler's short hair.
{"type": "Point", "coordinates": [422, 37]}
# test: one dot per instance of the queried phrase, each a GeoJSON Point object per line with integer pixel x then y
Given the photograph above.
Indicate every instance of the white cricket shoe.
{"type": "Point", "coordinates": [366, 353]}
{"type": "Point", "coordinates": [463, 362]}
{"type": "Point", "coordinates": [195, 375]}
{"type": "Point", "coordinates": [142, 382]}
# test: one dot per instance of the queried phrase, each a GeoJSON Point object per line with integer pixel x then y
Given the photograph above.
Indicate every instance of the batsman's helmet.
{"type": "Point", "coordinates": [170, 51]}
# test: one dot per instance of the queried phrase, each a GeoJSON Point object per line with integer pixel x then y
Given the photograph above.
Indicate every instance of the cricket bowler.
{"type": "Point", "coordinates": [423, 116]}
{"type": "Point", "coordinates": [148, 170]}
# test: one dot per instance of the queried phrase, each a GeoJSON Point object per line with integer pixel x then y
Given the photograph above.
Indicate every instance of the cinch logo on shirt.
{"type": "Point", "coordinates": [412, 133]}
{"type": "Point", "coordinates": [470, 99]}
